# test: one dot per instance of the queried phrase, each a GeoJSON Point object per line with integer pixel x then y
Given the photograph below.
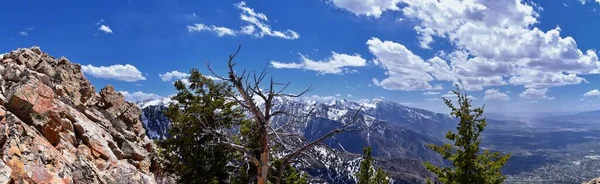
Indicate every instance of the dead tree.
{"type": "Point", "coordinates": [247, 85]}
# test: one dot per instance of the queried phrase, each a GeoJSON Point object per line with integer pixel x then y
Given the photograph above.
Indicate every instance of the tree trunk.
{"type": "Point", "coordinates": [280, 173]}
{"type": "Point", "coordinates": [263, 171]}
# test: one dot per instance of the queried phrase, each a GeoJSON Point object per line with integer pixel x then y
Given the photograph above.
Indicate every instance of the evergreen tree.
{"type": "Point", "coordinates": [365, 174]}
{"type": "Point", "coordinates": [290, 175]}
{"type": "Point", "coordinates": [470, 165]}
{"type": "Point", "coordinates": [194, 152]}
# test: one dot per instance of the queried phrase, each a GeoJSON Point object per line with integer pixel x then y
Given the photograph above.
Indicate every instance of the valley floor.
{"type": "Point", "coordinates": [548, 156]}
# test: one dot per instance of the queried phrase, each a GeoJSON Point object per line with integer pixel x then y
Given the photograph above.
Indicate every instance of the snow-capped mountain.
{"type": "Point", "coordinates": [153, 118]}
{"type": "Point", "coordinates": [391, 129]}
{"type": "Point", "coordinates": [397, 133]}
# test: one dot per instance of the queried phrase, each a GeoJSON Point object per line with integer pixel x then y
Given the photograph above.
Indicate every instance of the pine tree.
{"type": "Point", "coordinates": [470, 165]}
{"type": "Point", "coordinates": [194, 152]}
{"type": "Point", "coordinates": [290, 175]}
{"type": "Point", "coordinates": [365, 174]}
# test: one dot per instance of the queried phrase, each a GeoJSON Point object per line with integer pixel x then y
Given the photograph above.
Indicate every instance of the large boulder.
{"type": "Point", "coordinates": [55, 128]}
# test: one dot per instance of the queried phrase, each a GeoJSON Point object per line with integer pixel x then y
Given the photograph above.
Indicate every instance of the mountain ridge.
{"type": "Point", "coordinates": [55, 127]}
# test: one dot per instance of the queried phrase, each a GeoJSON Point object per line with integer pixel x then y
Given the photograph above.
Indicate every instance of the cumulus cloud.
{"type": "Point", "coordinates": [535, 93]}
{"type": "Point", "coordinates": [254, 23]}
{"type": "Point", "coordinates": [372, 8]}
{"type": "Point", "coordinates": [495, 43]}
{"type": "Point", "coordinates": [336, 64]}
{"type": "Point", "coordinates": [105, 29]}
{"type": "Point", "coordinates": [138, 96]}
{"type": "Point", "coordinates": [127, 73]}
{"type": "Point", "coordinates": [593, 92]}
{"type": "Point", "coordinates": [173, 75]}
{"type": "Point", "coordinates": [405, 71]}
{"type": "Point", "coordinates": [494, 94]}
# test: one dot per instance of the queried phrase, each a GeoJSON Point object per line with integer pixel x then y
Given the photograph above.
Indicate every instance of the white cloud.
{"type": "Point", "coordinates": [496, 42]}
{"type": "Point", "coordinates": [127, 73]}
{"type": "Point", "coordinates": [405, 70]}
{"type": "Point", "coordinates": [336, 64]}
{"type": "Point", "coordinates": [585, 1]}
{"type": "Point", "coordinates": [138, 96]}
{"type": "Point", "coordinates": [494, 94]}
{"type": "Point", "coordinates": [105, 29]}
{"type": "Point", "coordinates": [431, 93]}
{"type": "Point", "coordinates": [221, 31]}
{"type": "Point", "coordinates": [173, 75]}
{"type": "Point", "coordinates": [366, 7]}
{"type": "Point", "coordinates": [542, 79]}
{"type": "Point", "coordinates": [254, 23]}
{"type": "Point", "coordinates": [25, 32]}
{"type": "Point", "coordinates": [338, 95]}
{"type": "Point", "coordinates": [177, 75]}
{"type": "Point", "coordinates": [535, 93]}
{"type": "Point", "coordinates": [349, 95]}
{"type": "Point", "coordinates": [185, 82]}
{"type": "Point", "coordinates": [594, 92]}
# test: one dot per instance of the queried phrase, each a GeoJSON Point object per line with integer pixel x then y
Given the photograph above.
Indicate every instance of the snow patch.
{"type": "Point", "coordinates": [593, 157]}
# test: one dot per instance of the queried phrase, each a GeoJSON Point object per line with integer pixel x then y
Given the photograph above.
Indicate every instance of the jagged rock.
{"type": "Point", "coordinates": [55, 128]}
{"type": "Point", "coordinates": [12, 71]}
{"type": "Point", "coordinates": [133, 151]}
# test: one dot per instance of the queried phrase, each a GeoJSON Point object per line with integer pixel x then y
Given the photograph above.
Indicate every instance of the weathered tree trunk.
{"type": "Point", "coordinates": [263, 171]}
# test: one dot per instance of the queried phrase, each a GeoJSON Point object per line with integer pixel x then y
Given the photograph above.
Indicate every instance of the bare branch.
{"type": "Point", "coordinates": [214, 73]}
{"type": "Point", "coordinates": [298, 95]}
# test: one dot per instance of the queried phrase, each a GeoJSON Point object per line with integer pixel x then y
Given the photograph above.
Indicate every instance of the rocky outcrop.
{"type": "Point", "coordinates": [55, 128]}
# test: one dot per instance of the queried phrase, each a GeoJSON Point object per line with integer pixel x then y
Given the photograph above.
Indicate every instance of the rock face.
{"type": "Point", "coordinates": [55, 128]}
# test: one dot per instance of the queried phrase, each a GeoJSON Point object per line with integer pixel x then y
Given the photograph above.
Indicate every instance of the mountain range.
{"type": "Point", "coordinates": [398, 134]}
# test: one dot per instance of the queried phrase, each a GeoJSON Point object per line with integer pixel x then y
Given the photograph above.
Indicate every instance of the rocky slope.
{"type": "Point", "coordinates": [55, 128]}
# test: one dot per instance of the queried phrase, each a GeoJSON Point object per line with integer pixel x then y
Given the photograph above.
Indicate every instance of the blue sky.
{"type": "Point", "coordinates": [513, 56]}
